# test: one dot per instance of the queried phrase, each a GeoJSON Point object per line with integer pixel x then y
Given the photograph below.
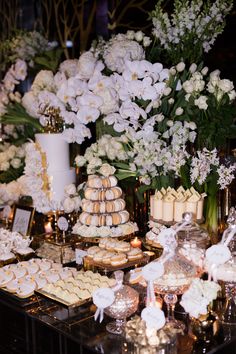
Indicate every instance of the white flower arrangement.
{"type": "Point", "coordinates": [199, 295]}
{"type": "Point", "coordinates": [26, 45]}
{"type": "Point", "coordinates": [205, 163]}
{"type": "Point", "coordinates": [145, 154]}
{"type": "Point", "coordinates": [191, 29]}
{"type": "Point", "coordinates": [16, 73]}
{"type": "Point", "coordinates": [11, 156]}
{"type": "Point", "coordinates": [11, 192]}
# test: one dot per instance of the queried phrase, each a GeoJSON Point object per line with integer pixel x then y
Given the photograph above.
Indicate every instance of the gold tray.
{"type": "Point", "coordinates": [98, 239]}
{"type": "Point", "coordinates": [61, 301]}
{"type": "Point", "coordinates": [88, 262]}
{"type": "Point", "coordinates": [171, 223]}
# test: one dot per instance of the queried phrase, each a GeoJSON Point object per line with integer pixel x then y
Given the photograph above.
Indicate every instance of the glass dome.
{"type": "Point", "coordinates": [191, 232]}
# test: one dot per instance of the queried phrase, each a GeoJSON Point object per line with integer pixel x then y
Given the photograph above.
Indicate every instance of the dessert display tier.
{"type": "Point", "coordinates": [103, 210]}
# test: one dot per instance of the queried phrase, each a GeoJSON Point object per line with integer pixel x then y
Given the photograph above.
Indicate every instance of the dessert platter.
{"type": "Point", "coordinates": [168, 205]}
{"type": "Point", "coordinates": [112, 254]}
{"type": "Point", "coordinates": [103, 210]}
{"type": "Point", "coordinates": [76, 289]}
{"type": "Point", "coordinates": [13, 246]}
{"type": "Point", "coordinates": [23, 278]}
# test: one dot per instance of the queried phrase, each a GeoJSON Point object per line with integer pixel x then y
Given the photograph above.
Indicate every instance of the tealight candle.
{"type": "Point", "coordinates": [48, 228]}
{"type": "Point", "coordinates": [136, 242]}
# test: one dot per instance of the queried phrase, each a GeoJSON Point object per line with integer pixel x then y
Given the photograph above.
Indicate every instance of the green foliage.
{"type": "Point", "coordinates": [17, 115]}
{"type": "Point", "coordinates": [11, 174]}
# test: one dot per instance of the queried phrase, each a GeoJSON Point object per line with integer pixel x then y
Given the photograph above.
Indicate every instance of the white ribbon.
{"type": "Point", "coordinates": [150, 293]}
{"type": "Point", "coordinates": [212, 274]}
{"type": "Point", "coordinates": [99, 313]}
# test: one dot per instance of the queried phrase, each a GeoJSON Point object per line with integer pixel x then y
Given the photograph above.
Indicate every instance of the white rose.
{"type": "Point", "coordinates": [86, 65]}
{"type": "Point", "coordinates": [188, 86]}
{"type": "Point", "coordinates": [77, 201]}
{"type": "Point", "coordinates": [226, 85]}
{"type": "Point", "coordinates": [70, 189]}
{"type": "Point", "coordinates": [130, 34]}
{"type": "Point", "coordinates": [187, 97]}
{"type": "Point", "coordinates": [95, 162]}
{"type": "Point", "coordinates": [171, 100]}
{"type": "Point", "coordinates": [20, 152]}
{"type": "Point", "coordinates": [201, 102]}
{"type": "Point", "coordinates": [193, 68]}
{"type": "Point", "coordinates": [232, 95]}
{"type": "Point", "coordinates": [146, 41]}
{"type": "Point", "coordinates": [4, 166]}
{"type": "Point", "coordinates": [170, 123]}
{"type": "Point", "coordinates": [68, 205]}
{"type": "Point", "coordinates": [172, 70]}
{"type": "Point", "coordinates": [107, 170]}
{"type": "Point", "coordinates": [11, 151]}
{"type": "Point", "coordinates": [179, 111]}
{"type": "Point", "coordinates": [80, 160]}
{"type": "Point", "coordinates": [90, 169]}
{"type": "Point", "coordinates": [180, 67]}
{"type": "Point", "coordinates": [139, 36]}
{"type": "Point", "coordinates": [15, 163]}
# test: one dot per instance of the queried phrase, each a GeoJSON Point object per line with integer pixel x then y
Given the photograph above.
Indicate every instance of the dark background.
{"type": "Point", "coordinates": [124, 15]}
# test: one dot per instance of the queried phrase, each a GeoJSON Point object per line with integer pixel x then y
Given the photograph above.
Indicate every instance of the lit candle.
{"type": "Point", "coordinates": [136, 242]}
{"type": "Point", "coordinates": [48, 228]}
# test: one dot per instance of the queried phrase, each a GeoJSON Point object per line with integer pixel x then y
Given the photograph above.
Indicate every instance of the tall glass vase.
{"type": "Point", "coordinates": [211, 216]}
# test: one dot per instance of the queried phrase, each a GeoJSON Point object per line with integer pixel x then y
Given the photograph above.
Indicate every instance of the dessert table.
{"type": "Point", "coordinates": [40, 326]}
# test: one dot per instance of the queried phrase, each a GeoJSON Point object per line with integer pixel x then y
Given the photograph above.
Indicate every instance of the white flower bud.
{"type": "Point", "coordinates": [193, 68]}
{"type": "Point", "coordinates": [167, 91]}
{"type": "Point", "coordinates": [170, 123]}
{"type": "Point", "coordinates": [180, 67]}
{"type": "Point", "coordinates": [80, 161]}
{"type": "Point", "coordinates": [171, 100]}
{"type": "Point", "coordinates": [204, 71]}
{"type": "Point", "coordinates": [139, 36]}
{"type": "Point", "coordinates": [179, 111]}
{"type": "Point", "coordinates": [16, 162]}
{"type": "Point", "coordinates": [130, 34]}
{"type": "Point", "coordinates": [107, 170]}
{"type": "Point", "coordinates": [68, 205]}
{"type": "Point", "coordinates": [172, 70]}
{"type": "Point", "coordinates": [192, 125]}
{"type": "Point", "coordinates": [146, 41]}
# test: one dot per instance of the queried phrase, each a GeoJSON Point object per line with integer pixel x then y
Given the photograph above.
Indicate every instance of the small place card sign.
{"type": "Point", "coordinates": [79, 255]}
{"type": "Point", "coordinates": [218, 254]}
{"type": "Point", "coordinates": [62, 223]}
{"type": "Point", "coordinates": [154, 317]}
{"type": "Point", "coordinates": [102, 298]}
